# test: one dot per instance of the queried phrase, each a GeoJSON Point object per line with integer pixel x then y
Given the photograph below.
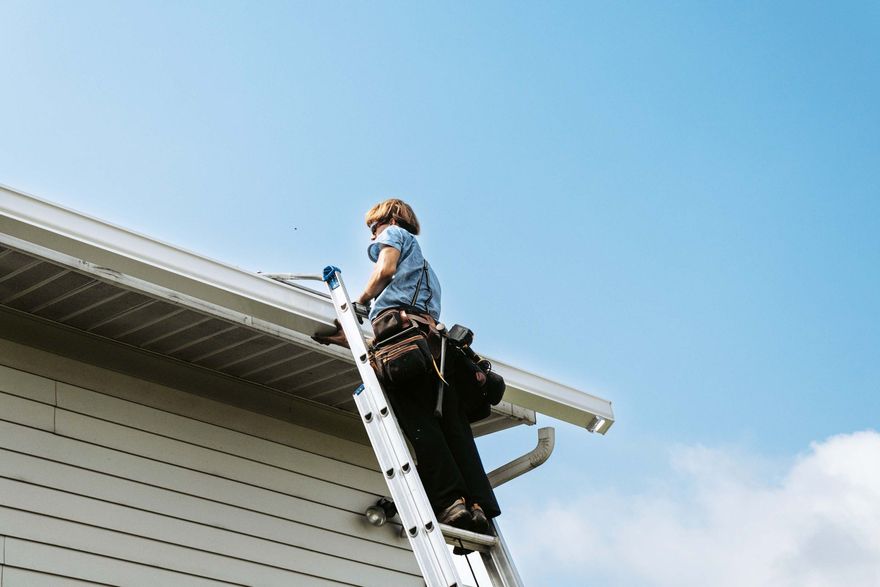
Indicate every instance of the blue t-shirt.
{"type": "Point", "coordinates": [411, 266]}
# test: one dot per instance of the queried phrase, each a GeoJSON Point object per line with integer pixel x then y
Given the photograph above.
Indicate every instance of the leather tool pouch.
{"type": "Point", "coordinates": [389, 323]}
{"type": "Point", "coordinates": [402, 358]}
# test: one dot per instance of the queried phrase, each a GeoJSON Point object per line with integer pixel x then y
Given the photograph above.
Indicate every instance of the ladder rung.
{"type": "Point", "coordinates": [470, 540]}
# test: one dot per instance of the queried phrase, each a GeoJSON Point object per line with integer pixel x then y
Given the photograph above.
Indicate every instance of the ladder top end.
{"type": "Point", "coordinates": [330, 272]}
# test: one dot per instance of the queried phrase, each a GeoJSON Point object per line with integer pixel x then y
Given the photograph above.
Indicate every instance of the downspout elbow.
{"type": "Point", "coordinates": [531, 460]}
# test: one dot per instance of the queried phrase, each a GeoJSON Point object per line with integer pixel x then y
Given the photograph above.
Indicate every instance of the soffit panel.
{"type": "Point", "coordinates": [66, 295]}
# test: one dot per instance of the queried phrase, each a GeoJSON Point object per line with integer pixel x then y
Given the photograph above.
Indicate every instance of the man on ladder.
{"type": "Point", "coordinates": [456, 491]}
{"type": "Point", "coordinates": [405, 294]}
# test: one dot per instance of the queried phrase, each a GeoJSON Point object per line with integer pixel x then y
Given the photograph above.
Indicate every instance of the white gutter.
{"type": "Point", "coordinates": [105, 245]}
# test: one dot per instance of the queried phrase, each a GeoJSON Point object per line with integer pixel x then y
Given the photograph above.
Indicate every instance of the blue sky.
{"type": "Point", "coordinates": [675, 206]}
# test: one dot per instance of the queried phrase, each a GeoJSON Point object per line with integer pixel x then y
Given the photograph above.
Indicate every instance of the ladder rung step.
{"type": "Point", "coordinates": [470, 540]}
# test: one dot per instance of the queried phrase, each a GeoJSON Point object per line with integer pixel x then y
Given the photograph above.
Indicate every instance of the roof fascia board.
{"type": "Point", "coordinates": [104, 244]}
{"type": "Point", "coordinates": [554, 399]}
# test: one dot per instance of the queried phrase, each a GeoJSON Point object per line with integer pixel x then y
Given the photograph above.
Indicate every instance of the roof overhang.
{"type": "Point", "coordinates": [69, 267]}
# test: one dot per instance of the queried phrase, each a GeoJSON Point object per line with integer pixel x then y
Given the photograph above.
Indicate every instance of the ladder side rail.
{"type": "Point", "coordinates": [400, 469]}
{"type": "Point", "coordinates": [427, 541]}
{"type": "Point", "coordinates": [499, 563]}
{"type": "Point", "coordinates": [409, 477]}
{"type": "Point", "coordinates": [403, 499]}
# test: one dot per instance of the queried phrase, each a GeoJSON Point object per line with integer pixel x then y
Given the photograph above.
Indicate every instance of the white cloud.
{"type": "Point", "coordinates": [721, 520]}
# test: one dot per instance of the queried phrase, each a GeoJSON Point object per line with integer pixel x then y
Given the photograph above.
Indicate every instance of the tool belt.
{"type": "Point", "coordinates": [406, 346]}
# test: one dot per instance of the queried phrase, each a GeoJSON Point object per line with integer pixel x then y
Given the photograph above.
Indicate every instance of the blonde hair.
{"type": "Point", "coordinates": [396, 210]}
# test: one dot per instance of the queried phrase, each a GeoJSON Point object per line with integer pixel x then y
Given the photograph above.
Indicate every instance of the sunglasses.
{"type": "Point", "coordinates": [375, 226]}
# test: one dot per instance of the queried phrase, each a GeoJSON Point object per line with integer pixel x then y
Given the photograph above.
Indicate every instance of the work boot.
{"type": "Point", "coordinates": [456, 515]}
{"type": "Point", "coordinates": [479, 521]}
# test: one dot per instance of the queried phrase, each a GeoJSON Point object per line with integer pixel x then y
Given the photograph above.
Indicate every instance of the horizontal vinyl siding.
{"type": "Point", "coordinates": [65, 566]}
{"type": "Point", "coordinates": [14, 577]}
{"type": "Point", "coordinates": [97, 488]}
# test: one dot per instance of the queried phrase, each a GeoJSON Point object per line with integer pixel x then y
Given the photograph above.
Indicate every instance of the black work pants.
{"type": "Point", "coordinates": [448, 462]}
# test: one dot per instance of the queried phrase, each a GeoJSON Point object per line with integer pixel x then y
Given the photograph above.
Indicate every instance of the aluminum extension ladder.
{"type": "Point", "coordinates": [427, 537]}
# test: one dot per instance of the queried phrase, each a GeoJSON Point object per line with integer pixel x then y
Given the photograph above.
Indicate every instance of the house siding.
{"type": "Point", "coordinates": [110, 479]}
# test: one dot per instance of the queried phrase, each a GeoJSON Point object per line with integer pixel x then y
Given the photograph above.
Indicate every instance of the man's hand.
{"type": "Point", "coordinates": [337, 337]}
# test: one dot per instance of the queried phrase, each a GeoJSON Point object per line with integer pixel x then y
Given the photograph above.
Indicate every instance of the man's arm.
{"type": "Point", "coordinates": [384, 270]}
{"type": "Point", "coordinates": [386, 267]}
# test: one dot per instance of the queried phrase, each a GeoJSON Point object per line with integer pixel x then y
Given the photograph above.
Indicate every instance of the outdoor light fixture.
{"type": "Point", "coordinates": [376, 515]}
{"type": "Point", "coordinates": [381, 512]}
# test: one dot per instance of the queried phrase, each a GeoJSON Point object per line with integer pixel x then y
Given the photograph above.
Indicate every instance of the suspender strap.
{"type": "Point", "coordinates": [415, 297]}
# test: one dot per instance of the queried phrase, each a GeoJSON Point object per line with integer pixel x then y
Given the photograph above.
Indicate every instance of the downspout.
{"type": "Point", "coordinates": [532, 459]}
